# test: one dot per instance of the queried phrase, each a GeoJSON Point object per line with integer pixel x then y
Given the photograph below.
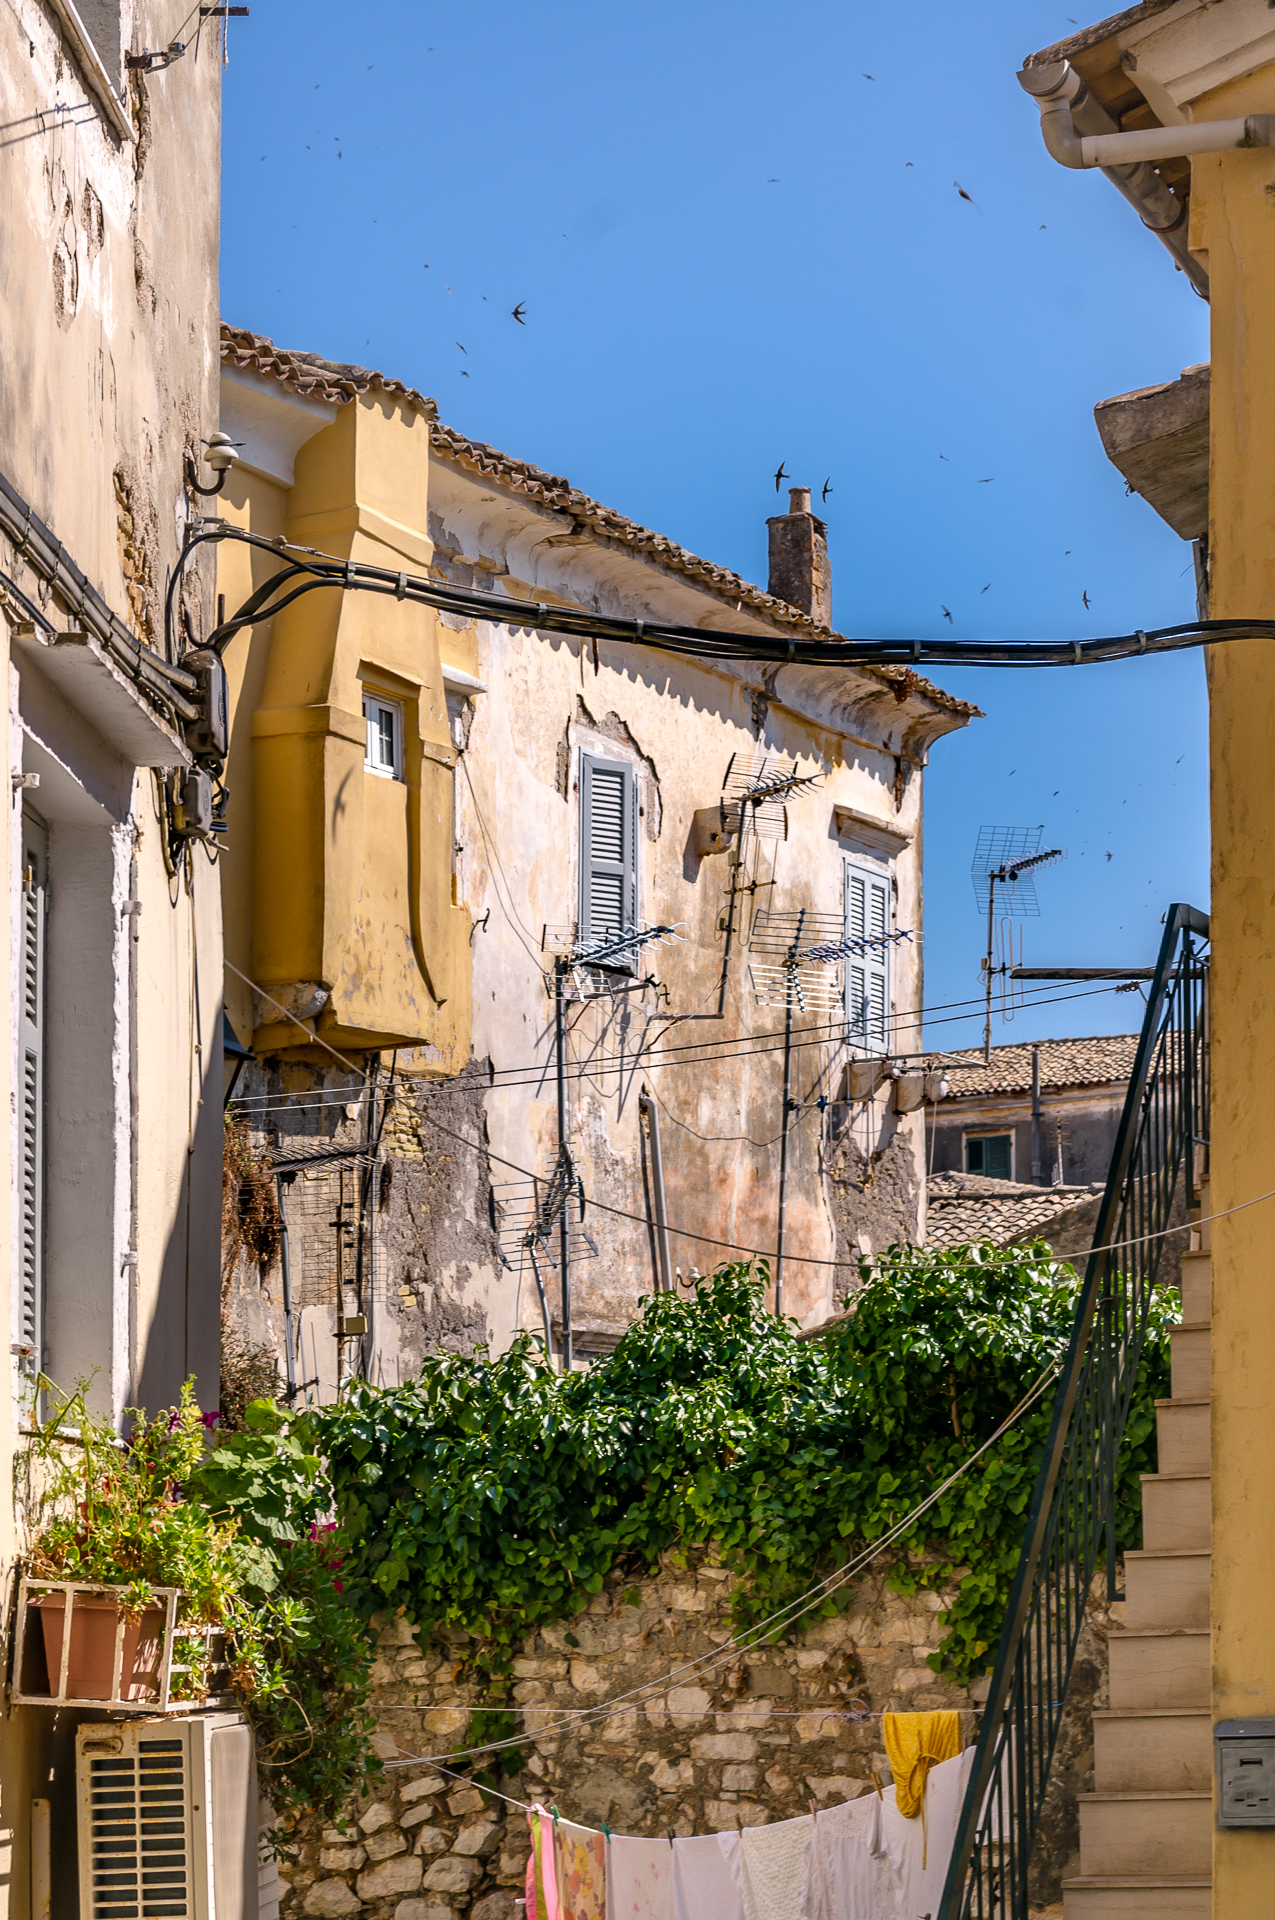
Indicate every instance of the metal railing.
{"type": "Point", "coordinates": [1071, 1531]}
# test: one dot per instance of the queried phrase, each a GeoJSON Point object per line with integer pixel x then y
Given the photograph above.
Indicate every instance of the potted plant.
{"type": "Point", "coordinates": [140, 1572]}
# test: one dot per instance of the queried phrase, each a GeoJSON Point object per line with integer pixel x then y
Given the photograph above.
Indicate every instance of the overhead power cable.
{"type": "Point", "coordinates": [306, 570]}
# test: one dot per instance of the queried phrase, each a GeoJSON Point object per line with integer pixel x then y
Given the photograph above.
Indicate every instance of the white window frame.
{"type": "Point", "coordinates": [988, 1133]}
{"type": "Point", "coordinates": [375, 706]}
{"type": "Point", "coordinates": [868, 979]}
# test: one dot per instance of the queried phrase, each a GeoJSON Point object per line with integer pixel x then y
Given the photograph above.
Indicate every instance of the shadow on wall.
{"type": "Point", "coordinates": [184, 1332]}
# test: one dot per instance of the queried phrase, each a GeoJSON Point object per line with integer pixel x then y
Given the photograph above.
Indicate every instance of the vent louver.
{"type": "Point", "coordinates": [139, 1834]}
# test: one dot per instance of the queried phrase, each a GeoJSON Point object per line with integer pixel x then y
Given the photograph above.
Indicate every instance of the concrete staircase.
{"type": "Point", "coordinates": [1146, 1831]}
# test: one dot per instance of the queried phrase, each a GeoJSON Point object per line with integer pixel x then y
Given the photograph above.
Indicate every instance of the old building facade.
{"type": "Point", "coordinates": [1040, 1113]}
{"type": "Point", "coordinates": [112, 998]}
{"type": "Point", "coordinates": [570, 787]}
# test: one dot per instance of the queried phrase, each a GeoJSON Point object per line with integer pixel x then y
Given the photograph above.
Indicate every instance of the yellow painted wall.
{"type": "Point", "coordinates": [1233, 224]}
{"type": "Point", "coordinates": [337, 876]}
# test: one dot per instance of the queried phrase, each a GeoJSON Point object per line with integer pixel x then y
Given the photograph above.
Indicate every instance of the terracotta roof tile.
{"type": "Point", "coordinates": [328, 380]}
{"type": "Point", "coordinates": [1091, 1062]}
{"type": "Point", "coordinates": [962, 1208]}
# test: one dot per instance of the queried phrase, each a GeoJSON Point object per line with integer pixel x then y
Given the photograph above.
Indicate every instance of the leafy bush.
{"type": "Point", "coordinates": [238, 1529]}
{"type": "Point", "coordinates": [492, 1496]}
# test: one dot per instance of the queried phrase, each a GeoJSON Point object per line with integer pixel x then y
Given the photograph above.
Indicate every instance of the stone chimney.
{"type": "Point", "coordinates": [799, 571]}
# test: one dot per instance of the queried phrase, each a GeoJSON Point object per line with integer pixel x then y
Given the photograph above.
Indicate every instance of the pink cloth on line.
{"type": "Point", "coordinates": [542, 1878]}
{"type": "Point", "coordinates": [639, 1879]}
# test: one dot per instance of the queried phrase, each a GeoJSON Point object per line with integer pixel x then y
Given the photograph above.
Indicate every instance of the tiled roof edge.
{"type": "Point", "coordinates": [307, 373]}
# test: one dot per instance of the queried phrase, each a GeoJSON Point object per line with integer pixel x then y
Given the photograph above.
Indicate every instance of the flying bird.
{"type": "Point", "coordinates": [946, 615]}
{"type": "Point", "coordinates": [827, 488]}
{"type": "Point", "coordinates": [773, 182]}
{"type": "Point", "coordinates": [967, 196]}
{"type": "Point", "coordinates": [1041, 227]}
{"type": "Point", "coordinates": [780, 474]}
{"type": "Point", "coordinates": [988, 481]}
{"type": "Point", "coordinates": [463, 374]}
{"type": "Point", "coordinates": [983, 590]}
{"type": "Point", "coordinates": [869, 76]}
{"type": "Point", "coordinates": [464, 349]}
{"type": "Point", "coordinates": [516, 313]}
{"type": "Point", "coordinates": [1108, 856]}
{"type": "Point", "coordinates": [1085, 597]}
{"type": "Point", "coordinates": [943, 456]}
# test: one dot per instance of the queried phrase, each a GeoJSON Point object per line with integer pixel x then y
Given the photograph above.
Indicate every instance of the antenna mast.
{"type": "Point", "coordinates": [1002, 857]}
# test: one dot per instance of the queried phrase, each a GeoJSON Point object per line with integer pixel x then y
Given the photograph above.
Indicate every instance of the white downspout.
{"type": "Point", "coordinates": [1080, 133]}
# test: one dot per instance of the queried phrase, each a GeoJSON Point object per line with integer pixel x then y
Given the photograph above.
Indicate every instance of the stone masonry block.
{"type": "Point", "coordinates": [378, 1815]}
{"type": "Point", "coordinates": [726, 1814]}
{"type": "Point", "coordinates": [478, 1841]}
{"type": "Point", "coordinates": [451, 1874]}
{"type": "Point", "coordinates": [417, 1789]}
{"type": "Point", "coordinates": [383, 1846]}
{"type": "Point", "coordinates": [331, 1900]}
{"type": "Point", "coordinates": [739, 1779]}
{"type": "Point", "coordinates": [431, 1840]}
{"type": "Point", "coordinates": [341, 1859]}
{"type": "Point", "coordinates": [465, 1800]}
{"type": "Point", "coordinates": [724, 1746]}
{"type": "Point", "coordinates": [689, 1700]}
{"type": "Point", "coordinates": [402, 1875]}
{"type": "Point", "coordinates": [422, 1910]}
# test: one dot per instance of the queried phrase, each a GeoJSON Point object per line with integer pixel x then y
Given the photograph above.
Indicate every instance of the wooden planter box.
{"type": "Point", "coordinates": [76, 1647]}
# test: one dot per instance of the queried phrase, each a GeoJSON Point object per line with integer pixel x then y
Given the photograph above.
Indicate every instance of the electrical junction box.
{"type": "Point", "coordinates": [1245, 1751]}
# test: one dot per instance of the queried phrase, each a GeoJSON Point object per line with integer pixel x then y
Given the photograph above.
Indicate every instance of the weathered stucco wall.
{"type": "Point", "coordinates": [755, 1738]}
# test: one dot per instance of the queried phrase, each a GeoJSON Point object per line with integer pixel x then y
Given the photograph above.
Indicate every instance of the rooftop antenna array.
{"type": "Point", "coordinates": [799, 956]}
{"type": "Point", "coordinates": [1006, 858]}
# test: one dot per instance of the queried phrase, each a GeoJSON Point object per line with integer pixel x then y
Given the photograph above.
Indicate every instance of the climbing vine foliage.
{"type": "Point", "coordinates": [492, 1496]}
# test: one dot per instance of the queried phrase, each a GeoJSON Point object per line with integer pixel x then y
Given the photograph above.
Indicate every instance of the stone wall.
{"type": "Point", "coordinates": [758, 1737]}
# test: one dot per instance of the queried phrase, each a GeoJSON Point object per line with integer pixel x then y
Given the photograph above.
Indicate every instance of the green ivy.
{"type": "Point", "coordinates": [492, 1496]}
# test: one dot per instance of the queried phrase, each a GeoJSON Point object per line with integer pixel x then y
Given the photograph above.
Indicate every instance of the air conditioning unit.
{"type": "Point", "coordinates": [168, 1819]}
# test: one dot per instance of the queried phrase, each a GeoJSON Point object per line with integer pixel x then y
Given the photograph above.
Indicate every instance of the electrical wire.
{"type": "Point", "coordinates": [317, 570]}
{"type": "Point", "coordinates": [745, 1047]}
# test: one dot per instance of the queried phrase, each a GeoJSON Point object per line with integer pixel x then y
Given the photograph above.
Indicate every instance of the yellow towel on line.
{"type": "Point", "coordinates": [915, 1742]}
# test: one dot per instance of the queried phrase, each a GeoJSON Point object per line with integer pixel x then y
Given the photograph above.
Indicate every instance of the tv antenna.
{"type": "Point", "coordinates": [799, 955]}
{"type": "Point", "coordinates": [1007, 858]}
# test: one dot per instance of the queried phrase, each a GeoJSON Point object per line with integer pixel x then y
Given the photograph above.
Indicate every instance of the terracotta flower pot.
{"type": "Point", "coordinates": [91, 1666]}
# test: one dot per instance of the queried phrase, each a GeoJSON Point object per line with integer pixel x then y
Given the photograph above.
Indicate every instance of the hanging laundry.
{"type": "Point", "coordinates": [773, 1863]}
{"type": "Point", "coordinates": [706, 1878]}
{"type": "Point", "coordinates": [542, 1878]}
{"type": "Point", "coordinates": [850, 1875]}
{"type": "Point", "coordinates": [581, 1872]}
{"type": "Point", "coordinates": [919, 1855]}
{"type": "Point", "coordinates": [915, 1742]}
{"type": "Point", "coordinates": [639, 1879]}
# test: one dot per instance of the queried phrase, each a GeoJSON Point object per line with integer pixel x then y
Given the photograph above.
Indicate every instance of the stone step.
{"type": "Point", "coordinates": [1190, 1347]}
{"type": "Point", "coordinates": [1182, 1436]}
{"type": "Point", "coordinates": [1197, 1286]}
{"type": "Point", "coordinates": [1158, 1668]}
{"type": "Point", "coordinates": [1155, 1750]}
{"type": "Point", "coordinates": [1118, 1896]}
{"type": "Point", "coordinates": [1166, 1588]}
{"type": "Point", "coordinates": [1177, 1510]}
{"type": "Point", "coordinates": [1146, 1832]}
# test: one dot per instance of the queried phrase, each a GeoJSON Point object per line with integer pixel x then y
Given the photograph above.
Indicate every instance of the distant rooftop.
{"type": "Point", "coordinates": [1094, 1062]}
{"type": "Point", "coordinates": [970, 1208]}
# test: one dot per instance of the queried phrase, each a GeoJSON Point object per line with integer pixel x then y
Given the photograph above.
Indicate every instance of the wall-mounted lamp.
{"type": "Point", "coordinates": [221, 457]}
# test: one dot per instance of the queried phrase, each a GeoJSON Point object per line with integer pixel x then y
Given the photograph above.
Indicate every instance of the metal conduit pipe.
{"type": "Point", "coordinates": [1079, 132]}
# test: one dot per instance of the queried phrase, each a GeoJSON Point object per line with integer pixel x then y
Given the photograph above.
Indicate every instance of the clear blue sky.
{"type": "Point", "coordinates": [727, 260]}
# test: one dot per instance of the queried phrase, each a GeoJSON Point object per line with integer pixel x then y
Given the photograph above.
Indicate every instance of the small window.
{"type": "Point", "coordinates": [868, 917]}
{"type": "Point", "coordinates": [991, 1154]}
{"type": "Point", "coordinates": [384, 737]}
{"type": "Point", "coordinates": [608, 850]}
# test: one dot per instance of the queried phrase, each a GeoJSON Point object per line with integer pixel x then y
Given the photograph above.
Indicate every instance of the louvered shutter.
{"type": "Point", "coordinates": [868, 916]}
{"type": "Point", "coordinates": [35, 856]}
{"type": "Point", "coordinates": [608, 848]}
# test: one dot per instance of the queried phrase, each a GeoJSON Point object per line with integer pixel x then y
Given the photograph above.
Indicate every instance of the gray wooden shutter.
{"type": "Point", "coordinates": [868, 916]}
{"type": "Point", "coordinates": [30, 1330]}
{"type": "Point", "coordinates": [608, 848]}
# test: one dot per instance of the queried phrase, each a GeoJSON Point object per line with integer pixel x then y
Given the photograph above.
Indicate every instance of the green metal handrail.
{"type": "Point", "coordinates": [1071, 1530]}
